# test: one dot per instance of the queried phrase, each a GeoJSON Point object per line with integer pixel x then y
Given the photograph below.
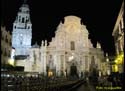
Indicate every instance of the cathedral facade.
{"type": "Point", "coordinates": [70, 47]}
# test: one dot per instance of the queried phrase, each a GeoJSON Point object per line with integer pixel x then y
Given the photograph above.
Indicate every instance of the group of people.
{"type": "Point", "coordinates": [106, 80]}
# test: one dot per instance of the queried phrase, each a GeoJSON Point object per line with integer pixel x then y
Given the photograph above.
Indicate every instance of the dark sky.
{"type": "Point", "coordinates": [98, 15]}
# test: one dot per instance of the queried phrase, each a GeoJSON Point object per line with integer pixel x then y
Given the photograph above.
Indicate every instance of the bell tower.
{"type": "Point", "coordinates": [22, 31]}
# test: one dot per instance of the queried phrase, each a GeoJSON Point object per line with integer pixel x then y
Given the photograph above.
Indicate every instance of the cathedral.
{"type": "Point", "coordinates": [70, 47]}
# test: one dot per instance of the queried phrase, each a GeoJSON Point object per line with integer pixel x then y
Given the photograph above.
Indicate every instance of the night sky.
{"type": "Point", "coordinates": [98, 15]}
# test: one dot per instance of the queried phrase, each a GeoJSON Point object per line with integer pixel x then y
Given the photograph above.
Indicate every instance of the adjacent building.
{"type": "Point", "coordinates": [5, 45]}
{"type": "Point", "coordinates": [118, 34]}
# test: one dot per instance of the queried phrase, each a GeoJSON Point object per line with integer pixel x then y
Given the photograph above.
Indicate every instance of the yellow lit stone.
{"type": "Point", "coordinates": [11, 62]}
{"type": "Point", "coordinates": [115, 68]}
{"type": "Point", "coordinates": [50, 73]}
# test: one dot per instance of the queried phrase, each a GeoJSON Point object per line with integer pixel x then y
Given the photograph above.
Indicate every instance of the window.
{"type": "Point", "coordinates": [15, 27]}
{"type": "Point", "coordinates": [50, 56]}
{"type": "Point", "coordinates": [34, 57]}
{"type": "Point", "coordinates": [93, 60]}
{"type": "Point", "coordinates": [23, 20]}
{"type": "Point", "coordinates": [26, 19]}
{"type": "Point", "coordinates": [72, 45]}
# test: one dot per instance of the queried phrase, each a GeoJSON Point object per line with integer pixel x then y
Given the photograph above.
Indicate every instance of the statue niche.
{"type": "Point", "coordinates": [50, 67]}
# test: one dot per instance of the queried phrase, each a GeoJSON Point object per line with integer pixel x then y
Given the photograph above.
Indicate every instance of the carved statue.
{"type": "Point", "coordinates": [45, 42]}
{"type": "Point", "coordinates": [42, 43]}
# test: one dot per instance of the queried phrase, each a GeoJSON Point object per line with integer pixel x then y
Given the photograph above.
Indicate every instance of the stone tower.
{"type": "Point", "coordinates": [22, 31]}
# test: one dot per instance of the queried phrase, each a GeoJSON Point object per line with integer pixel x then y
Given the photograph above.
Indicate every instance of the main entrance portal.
{"type": "Point", "coordinates": [73, 70]}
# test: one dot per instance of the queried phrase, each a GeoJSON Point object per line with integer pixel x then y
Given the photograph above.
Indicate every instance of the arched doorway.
{"type": "Point", "coordinates": [72, 65]}
{"type": "Point", "coordinates": [73, 71]}
{"type": "Point", "coordinates": [51, 72]}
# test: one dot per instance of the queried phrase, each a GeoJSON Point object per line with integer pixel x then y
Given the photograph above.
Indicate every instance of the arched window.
{"type": "Point", "coordinates": [23, 20]}
{"type": "Point", "coordinates": [15, 27]}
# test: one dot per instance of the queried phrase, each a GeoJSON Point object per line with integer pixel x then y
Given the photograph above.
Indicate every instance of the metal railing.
{"type": "Point", "coordinates": [23, 83]}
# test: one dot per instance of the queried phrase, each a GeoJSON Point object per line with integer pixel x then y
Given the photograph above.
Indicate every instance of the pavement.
{"type": "Point", "coordinates": [85, 87]}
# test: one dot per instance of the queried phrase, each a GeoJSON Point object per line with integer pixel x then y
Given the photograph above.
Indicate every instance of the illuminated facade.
{"type": "Point", "coordinates": [22, 31]}
{"type": "Point", "coordinates": [70, 46]}
{"type": "Point", "coordinates": [118, 34]}
{"type": "Point", "coordinates": [5, 45]}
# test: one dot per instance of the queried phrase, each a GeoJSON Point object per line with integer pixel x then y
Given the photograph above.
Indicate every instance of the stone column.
{"type": "Point", "coordinates": [58, 65]}
{"type": "Point", "coordinates": [83, 61]}
{"type": "Point", "coordinates": [79, 66]}
{"type": "Point", "coordinates": [44, 60]}
{"type": "Point", "coordinates": [64, 65]}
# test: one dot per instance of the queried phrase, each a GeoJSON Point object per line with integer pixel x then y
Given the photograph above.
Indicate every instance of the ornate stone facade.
{"type": "Point", "coordinates": [70, 46]}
